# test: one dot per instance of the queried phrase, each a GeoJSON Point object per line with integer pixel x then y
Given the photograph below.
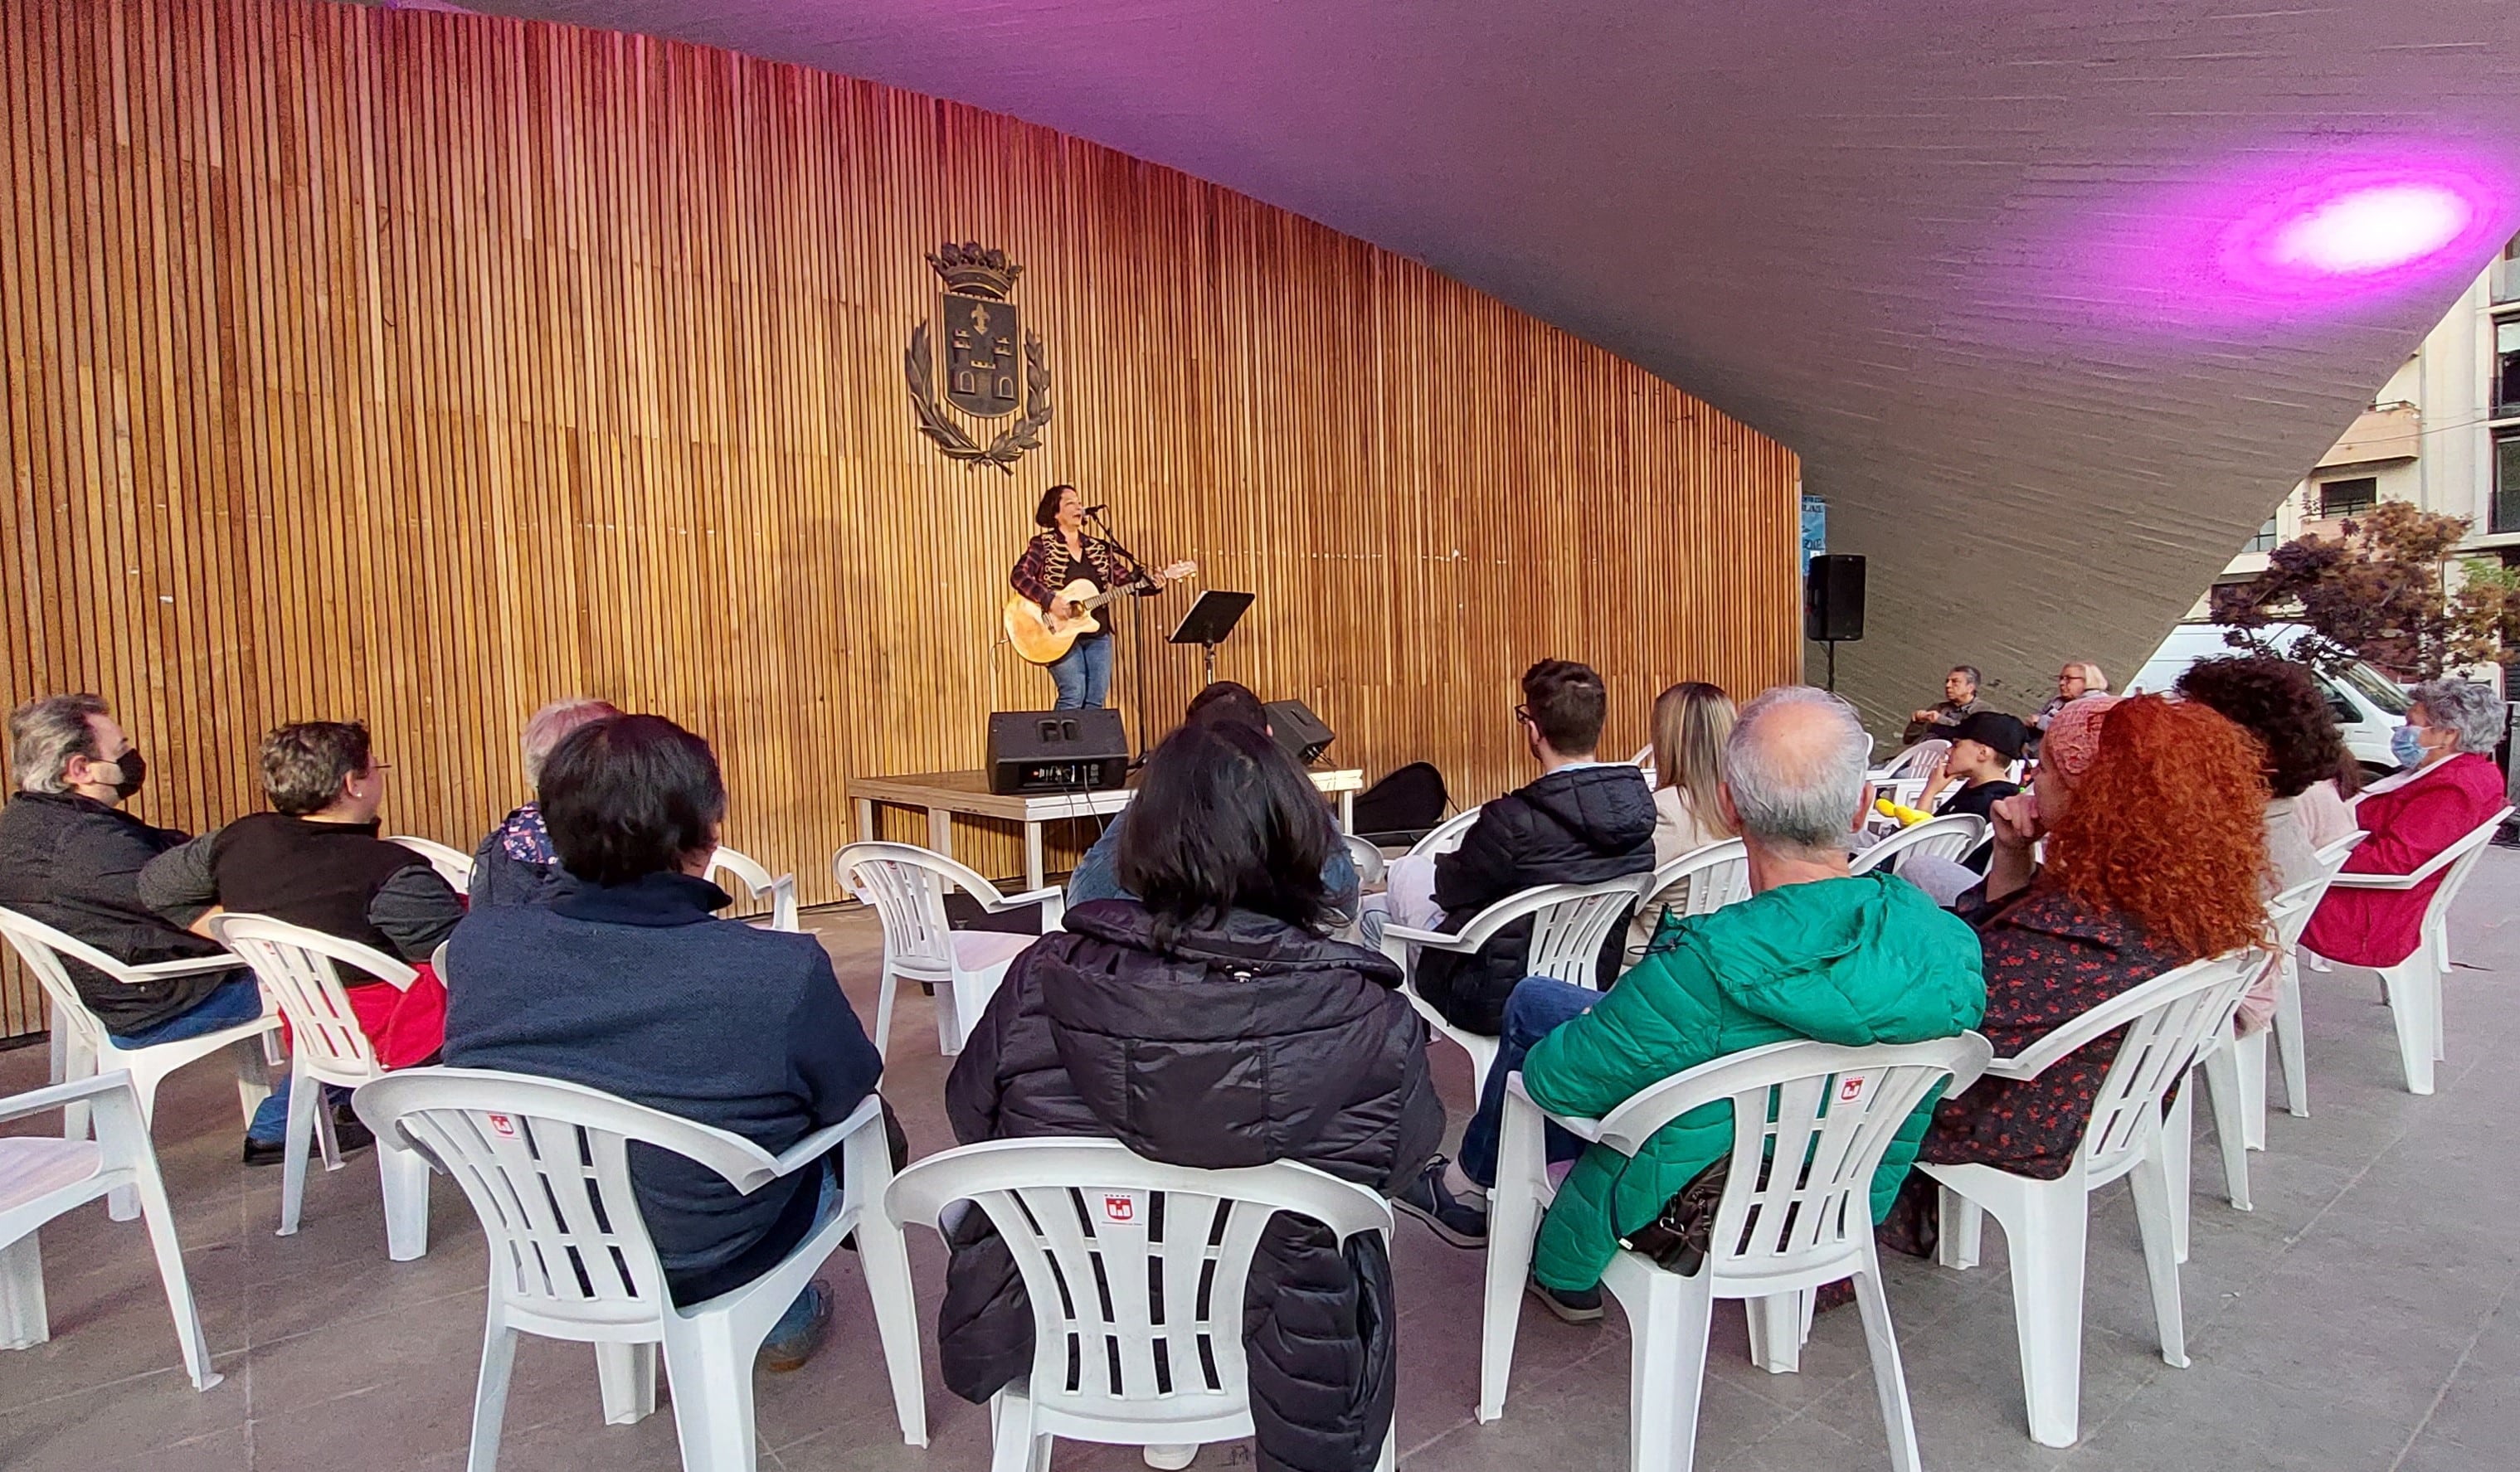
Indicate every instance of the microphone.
{"type": "Point", "coordinates": [1096, 511]}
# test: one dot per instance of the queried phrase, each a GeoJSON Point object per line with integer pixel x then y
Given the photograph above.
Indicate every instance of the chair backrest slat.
{"type": "Point", "coordinates": [907, 886]}
{"type": "Point", "coordinates": [1445, 836]}
{"type": "Point", "coordinates": [43, 949]}
{"type": "Point", "coordinates": [2455, 876]}
{"type": "Point", "coordinates": [2160, 1046]}
{"type": "Point", "coordinates": [1135, 1270]}
{"type": "Point", "coordinates": [1811, 1122]}
{"type": "Point", "coordinates": [1700, 882]}
{"type": "Point", "coordinates": [1567, 933]}
{"type": "Point", "coordinates": [297, 968]}
{"type": "Point", "coordinates": [1953, 836]}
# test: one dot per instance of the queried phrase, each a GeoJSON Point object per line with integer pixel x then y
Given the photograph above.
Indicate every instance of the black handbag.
{"type": "Point", "coordinates": [1677, 1238]}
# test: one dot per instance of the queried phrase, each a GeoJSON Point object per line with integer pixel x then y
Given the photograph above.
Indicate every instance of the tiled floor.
{"type": "Point", "coordinates": [2360, 1319]}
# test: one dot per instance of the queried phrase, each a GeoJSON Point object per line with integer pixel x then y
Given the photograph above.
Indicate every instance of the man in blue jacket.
{"type": "Point", "coordinates": [629, 984]}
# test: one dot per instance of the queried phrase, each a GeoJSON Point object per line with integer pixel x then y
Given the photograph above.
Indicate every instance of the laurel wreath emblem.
{"type": "Point", "coordinates": [918, 365]}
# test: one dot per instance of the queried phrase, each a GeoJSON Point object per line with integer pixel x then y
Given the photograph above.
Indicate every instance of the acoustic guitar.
{"type": "Point", "coordinates": [1046, 638]}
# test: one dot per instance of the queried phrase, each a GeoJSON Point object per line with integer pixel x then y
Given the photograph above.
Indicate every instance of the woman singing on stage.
{"type": "Point", "coordinates": [1062, 578]}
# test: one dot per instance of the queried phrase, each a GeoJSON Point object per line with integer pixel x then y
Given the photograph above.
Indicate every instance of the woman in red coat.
{"type": "Point", "coordinates": [2449, 786]}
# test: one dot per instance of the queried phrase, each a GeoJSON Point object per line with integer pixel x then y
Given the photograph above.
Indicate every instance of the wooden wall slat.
{"type": "Point", "coordinates": [422, 367]}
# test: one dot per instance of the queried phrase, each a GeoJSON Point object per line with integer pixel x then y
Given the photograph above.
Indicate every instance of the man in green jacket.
{"type": "Point", "coordinates": [1813, 954]}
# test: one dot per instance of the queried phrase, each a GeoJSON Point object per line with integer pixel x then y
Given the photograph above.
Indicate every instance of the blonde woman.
{"type": "Point", "coordinates": [1690, 722]}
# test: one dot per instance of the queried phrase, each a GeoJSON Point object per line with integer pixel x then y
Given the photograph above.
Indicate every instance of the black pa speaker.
{"type": "Point", "coordinates": [1298, 730]}
{"type": "Point", "coordinates": [1057, 750]}
{"type": "Point", "coordinates": [1833, 598]}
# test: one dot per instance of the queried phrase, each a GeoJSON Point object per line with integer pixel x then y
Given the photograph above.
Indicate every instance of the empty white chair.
{"type": "Point", "coordinates": [1776, 1236]}
{"type": "Point", "coordinates": [1953, 836]}
{"type": "Point", "coordinates": [546, 1167]}
{"type": "Point", "coordinates": [90, 1050]}
{"type": "Point", "coordinates": [1082, 1214]}
{"type": "Point", "coordinates": [1445, 836]}
{"type": "Point", "coordinates": [907, 884]}
{"type": "Point", "coordinates": [40, 1178]}
{"type": "Point", "coordinates": [757, 885]}
{"type": "Point", "coordinates": [2415, 983]}
{"type": "Point", "coordinates": [453, 864]}
{"type": "Point", "coordinates": [295, 965]}
{"type": "Point", "coordinates": [2168, 1021]}
{"type": "Point", "coordinates": [2290, 1041]}
{"type": "Point", "coordinates": [1568, 924]}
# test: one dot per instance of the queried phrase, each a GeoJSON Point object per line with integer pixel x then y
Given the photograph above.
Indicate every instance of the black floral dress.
{"type": "Point", "coordinates": [2049, 958]}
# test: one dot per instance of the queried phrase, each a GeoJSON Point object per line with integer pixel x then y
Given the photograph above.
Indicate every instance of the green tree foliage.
{"type": "Point", "coordinates": [2381, 593]}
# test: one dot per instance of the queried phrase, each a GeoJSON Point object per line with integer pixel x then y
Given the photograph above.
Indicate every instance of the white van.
{"type": "Point", "coordinates": [2368, 704]}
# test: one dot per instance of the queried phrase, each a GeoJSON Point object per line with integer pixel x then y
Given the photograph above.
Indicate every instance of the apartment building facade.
{"type": "Point", "coordinates": [2443, 433]}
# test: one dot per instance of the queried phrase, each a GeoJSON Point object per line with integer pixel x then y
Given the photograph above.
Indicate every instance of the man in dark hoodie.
{"type": "Point", "coordinates": [1580, 822]}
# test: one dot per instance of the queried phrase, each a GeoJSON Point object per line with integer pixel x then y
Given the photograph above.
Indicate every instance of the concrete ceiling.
{"type": "Point", "coordinates": [1964, 256]}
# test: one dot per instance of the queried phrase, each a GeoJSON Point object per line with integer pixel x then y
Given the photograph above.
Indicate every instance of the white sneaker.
{"type": "Point", "coordinates": [1171, 1458]}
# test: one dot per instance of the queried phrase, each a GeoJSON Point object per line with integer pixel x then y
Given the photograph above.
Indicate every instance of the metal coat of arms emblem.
{"type": "Point", "coordinates": [990, 365]}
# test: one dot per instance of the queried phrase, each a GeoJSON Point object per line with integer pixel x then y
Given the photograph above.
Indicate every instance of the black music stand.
{"type": "Point", "coordinates": [1209, 621]}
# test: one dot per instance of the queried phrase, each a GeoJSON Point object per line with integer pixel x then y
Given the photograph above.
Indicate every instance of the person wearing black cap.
{"type": "Point", "coordinates": [1984, 746]}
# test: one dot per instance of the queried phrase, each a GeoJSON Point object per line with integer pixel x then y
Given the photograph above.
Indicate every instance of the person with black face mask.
{"type": "Point", "coordinates": [70, 857]}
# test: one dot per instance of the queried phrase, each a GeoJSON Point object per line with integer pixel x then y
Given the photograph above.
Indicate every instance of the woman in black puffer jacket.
{"type": "Point", "coordinates": [1212, 1025]}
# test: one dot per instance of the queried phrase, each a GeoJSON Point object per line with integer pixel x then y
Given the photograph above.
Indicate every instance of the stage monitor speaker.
{"type": "Point", "coordinates": [1057, 750]}
{"type": "Point", "coordinates": [1298, 730]}
{"type": "Point", "coordinates": [1833, 598]}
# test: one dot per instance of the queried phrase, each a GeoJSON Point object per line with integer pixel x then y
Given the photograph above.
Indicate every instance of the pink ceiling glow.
{"type": "Point", "coordinates": [2358, 229]}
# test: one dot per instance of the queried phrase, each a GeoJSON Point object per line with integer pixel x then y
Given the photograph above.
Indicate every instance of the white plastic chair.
{"type": "Point", "coordinates": [295, 965]}
{"type": "Point", "coordinates": [1953, 836]}
{"type": "Point", "coordinates": [907, 884]}
{"type": "Point", "coordinates": [453, 864]}
{"type": "Point", "coordinates": [89, 1050]}
{"type": "Point", "coordinates": [1835, 1111]}
{"type": "Point", "coordinates": [1569, 922]}
{"type": "Point", "coordinates": [546, 1166]}
{"type": "Point", "coordinates": [2415, 983]}
{"type": "Point", "coordinates": [757, 886]}
{"type": "Point", "coordinates": [1156, 1358]}
{"type": "Point", "coordinates": [41, 1178]}
{"type": "Point", "coordinates": [2289, 1037]}
{"type": "Point", "coordinates": [2168, 1021]}
{"type": "Point", "coordinates": [1700, 882]}
{"type": "Point", "coordinates": [1919, 761]}
{"type": "Point", "coordinates": [1368, 859]}
{"type": "Point", "coordinates": [1445, 836]}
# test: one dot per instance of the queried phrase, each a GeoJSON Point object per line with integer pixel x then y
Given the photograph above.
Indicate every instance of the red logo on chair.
{"type": "Point", "coordinates": [1850, 1089]}
{"type": "Point", "coordinates": [1120, 1208]}
{"type": "Point", "coordinates": [504, 1126]}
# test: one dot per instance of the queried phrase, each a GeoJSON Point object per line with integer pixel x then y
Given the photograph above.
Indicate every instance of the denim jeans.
{"type": "Point", "coordinates": [1538, 1006]}
{"type": "Point", "coordinates": [237, 1001]}
{"type": "Point", "coordinates": [802, 1312]}
{"type": "Point", "coordinates": [1084, 673]}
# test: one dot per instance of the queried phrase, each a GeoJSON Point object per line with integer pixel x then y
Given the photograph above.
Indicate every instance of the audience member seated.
{"type": "Point", "coordinates": [316, 861]}
{"type": "Point", "coordinates": [2447, 785]}
{"type": "Point", "coordinates": [1959, 701]}
{"type": "Point", "coordinates": [1813, 953]}
{"type": "Point", "coordinates": [1581, 821]}
{"type": "Point", "coordinates": [1097, 874]}
{"type": "Point", "coordinates": [1690, 721]}
{"type": "Point", "coordinates": [1984, 747]}
{"type": "Point", "coordinates": [2078, 677]}
{"type": "Point", "coordinates": [625, 982]}
{"type": "Point", "coordinates": [70, 857]}
{"type": "Point", "coordinates": [515, 865]}
{"type": "Point", "coordinates": [2153, 813]}
{"type": "Point", "coordinates": [1210, 1024]}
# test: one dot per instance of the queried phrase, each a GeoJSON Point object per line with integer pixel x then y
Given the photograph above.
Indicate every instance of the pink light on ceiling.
{"type": "Point", "coordinates": [2357, 230]}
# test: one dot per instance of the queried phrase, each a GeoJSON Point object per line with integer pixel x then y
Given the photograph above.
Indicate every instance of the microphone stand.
{"type": "Point", "coordinates": [1103, 533]}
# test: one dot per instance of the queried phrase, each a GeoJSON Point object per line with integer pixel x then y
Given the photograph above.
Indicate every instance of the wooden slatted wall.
{"type": "Point", "coordinates": [422, 367]}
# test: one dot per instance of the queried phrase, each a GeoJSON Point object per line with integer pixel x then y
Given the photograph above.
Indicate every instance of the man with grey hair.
{"type": "Point", "coordinates": [1814, 952]}
{"type": "Point", "coordinates": [70, 857]}
{"type": "Point", "coordinates": [516, 865]}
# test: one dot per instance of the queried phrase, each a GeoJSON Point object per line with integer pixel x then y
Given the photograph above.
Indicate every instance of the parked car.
{"type": "Point", "coordinates": [2368, 704]}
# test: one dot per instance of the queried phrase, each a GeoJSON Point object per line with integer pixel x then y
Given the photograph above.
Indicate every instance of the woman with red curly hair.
{"type": "Point", "coordinates": [2153, 813]}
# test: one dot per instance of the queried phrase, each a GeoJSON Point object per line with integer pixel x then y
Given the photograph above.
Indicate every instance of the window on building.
{"type": "Point", "coordinates": [2507, 481]}
{"type": "Point", "coordinates": [2349, 497]}
{"type": "Point", "coordinates": [2264, 540]}
{"type": "Point", "coordinates": [2506, 367]}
